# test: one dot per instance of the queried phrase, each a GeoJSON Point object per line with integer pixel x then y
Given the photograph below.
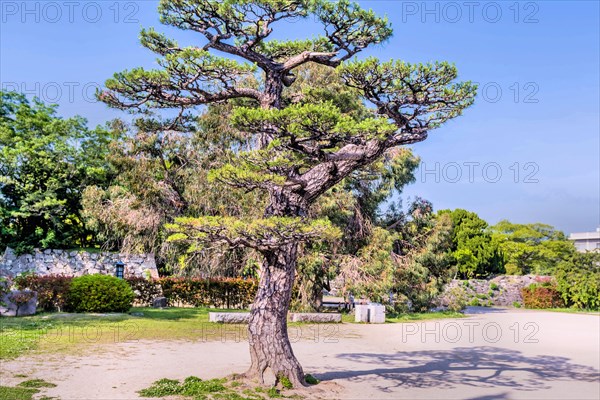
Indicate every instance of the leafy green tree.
{"type": "Point", "coordinates": [297, 152]}
{"type": "Point", "coordinates": [406, 261]}
{"type": "Point", "coordinates": [45, 164]}
{"type": "Point", "coordinates": [578, 280]}
{"type": "Point", "coordinates": [474, 251]}
{"type": "Point", "coordinates": [531, 248]}
{"type": "Point", "coordinates": [162, 174]}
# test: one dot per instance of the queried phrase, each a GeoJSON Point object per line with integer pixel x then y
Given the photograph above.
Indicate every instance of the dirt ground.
{"type": "Point", "coordinates": [492, 354]}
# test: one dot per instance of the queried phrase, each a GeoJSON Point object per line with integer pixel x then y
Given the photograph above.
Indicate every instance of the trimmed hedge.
{"type": "Point", "coordinates": [213, 292]}
{"type": "Point", "coordinates": [99, 293]}
{"type": "Point", "coordinates": [145, 290]}
{"type": "Point", "coordinates": [53, 290]}
{"type": "Point", "coordinates": [543, 295]}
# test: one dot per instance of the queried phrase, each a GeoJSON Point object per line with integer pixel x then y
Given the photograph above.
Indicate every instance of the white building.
{"type": "Point", "coordinates": [586, 241]}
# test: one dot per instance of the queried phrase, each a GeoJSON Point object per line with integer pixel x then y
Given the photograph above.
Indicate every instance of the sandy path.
{"type": "Point", "coordinates": [493, 354]}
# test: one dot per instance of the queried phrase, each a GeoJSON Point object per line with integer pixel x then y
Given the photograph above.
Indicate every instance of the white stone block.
{"type": "Point", "coordinates": [376, 313]}
{"type": "Point", "coordinates": [361, 313]}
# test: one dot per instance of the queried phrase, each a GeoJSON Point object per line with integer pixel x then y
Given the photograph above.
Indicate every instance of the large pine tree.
{"type": "Point", "coordinates": [299, 151]}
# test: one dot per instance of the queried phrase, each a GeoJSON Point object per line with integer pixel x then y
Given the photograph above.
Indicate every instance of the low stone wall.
{"type": "Point", "coordinates": [75, 263]}
{"type": "Point", "coordinates": [229, 317]}
{"type": "Point", "coordinates": [318, 318]}
{"type": "Point", "coordinates": [504, 290]}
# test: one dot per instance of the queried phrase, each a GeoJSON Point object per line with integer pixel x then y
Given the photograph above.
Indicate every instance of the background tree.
{"type": "Point", "coordinates": [475, 253]}
{"type": "Point", "coordinates": [162, 174]}
{"type": "Point", "coordinates": [406, 260]}
{"type": "Point", "coordinates": [298, 152]}
{"type": "Point", "coordinates": [45, 164]}
{"type": "Point", "coordinates": [531, 248]}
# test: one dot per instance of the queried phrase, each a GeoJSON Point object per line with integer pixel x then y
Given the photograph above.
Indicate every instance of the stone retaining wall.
{"type": "Point", "coordinates": [504, 290]}
{"type": "Point", "coordinates": [75, 263]}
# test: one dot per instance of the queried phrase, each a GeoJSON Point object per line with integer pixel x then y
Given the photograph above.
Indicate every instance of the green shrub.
{"type": "Point", "coordinates": [516, 304]}
{"type": "Point", "coordinates": [474, 303]}
{"type": "Point", "coordinates": [578, 280]}
{"type": "Point", "coordinates": [494, 286]}
{"type": "Point", "coordinates": [99, 293]}
{"type": "Point", "coordinates": [543, 295]}
{"type": "Point", "coordinates": [457, 299]}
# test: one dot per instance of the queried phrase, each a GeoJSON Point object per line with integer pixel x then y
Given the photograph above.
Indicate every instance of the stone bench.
{"type": "Point", "coordinates": [229, 317]}
{"type": "Point", "coordinates": [331, 302]}
{"type": "Point", "coordinates": [243, 318]}
{"type": "Point", "coordinates": [319, 318]}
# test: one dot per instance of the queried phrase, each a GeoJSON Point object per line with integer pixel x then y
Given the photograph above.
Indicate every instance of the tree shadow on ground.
{"type": "Point", "coordinates": [464, 366]}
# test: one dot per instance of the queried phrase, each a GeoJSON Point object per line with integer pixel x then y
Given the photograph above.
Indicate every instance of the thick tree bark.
{"type": "Point", "coordinates": [270, 346]}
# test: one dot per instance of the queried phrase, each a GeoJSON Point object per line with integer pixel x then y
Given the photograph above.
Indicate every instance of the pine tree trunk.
{"type": "Point", "coordinates": [270, 346]}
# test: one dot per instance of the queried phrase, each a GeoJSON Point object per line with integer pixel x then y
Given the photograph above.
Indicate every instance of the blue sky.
{"type": "Point", "coordinates": [528, 150]}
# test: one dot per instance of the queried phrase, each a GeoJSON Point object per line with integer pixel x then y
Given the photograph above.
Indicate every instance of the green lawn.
{"type": "Point", "coordinates": [572, 311]}
{"type": "Point", "coordinates": [62, 332]}
{"type": "Point", "coordinates": [410, 317]}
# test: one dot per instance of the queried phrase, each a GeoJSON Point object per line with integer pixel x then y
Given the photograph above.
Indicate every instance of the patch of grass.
{"type": "Point", "coordinates": [16, 393]}
{"type": "Point", "coordinates": [348, 317]}
{"type": "Point", "coordinates": [190, 387]}
{"type": "Point", "coordinates": [516, 304]}
{"type": "Point", "coordinates": [285, 382]}
{"type": "Point", "coordinates": [161, 388]}
{"type": "Point", "coordinates": [36, 383]}
{"type": "Point", "coordinates": [86, 249]}
{"type": "Point", "coordinates": [213, 389]}
{"type": "Point", "coordinates": [572, 311]}
{"type": "Point", "coordinates": [274, 393]}
{"type": "Point", "coordinates": [15, 341]}
{"type": "Point", "coordinates": [59, 332]}
{"type": "Point", "coordinates": [410, 317]}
